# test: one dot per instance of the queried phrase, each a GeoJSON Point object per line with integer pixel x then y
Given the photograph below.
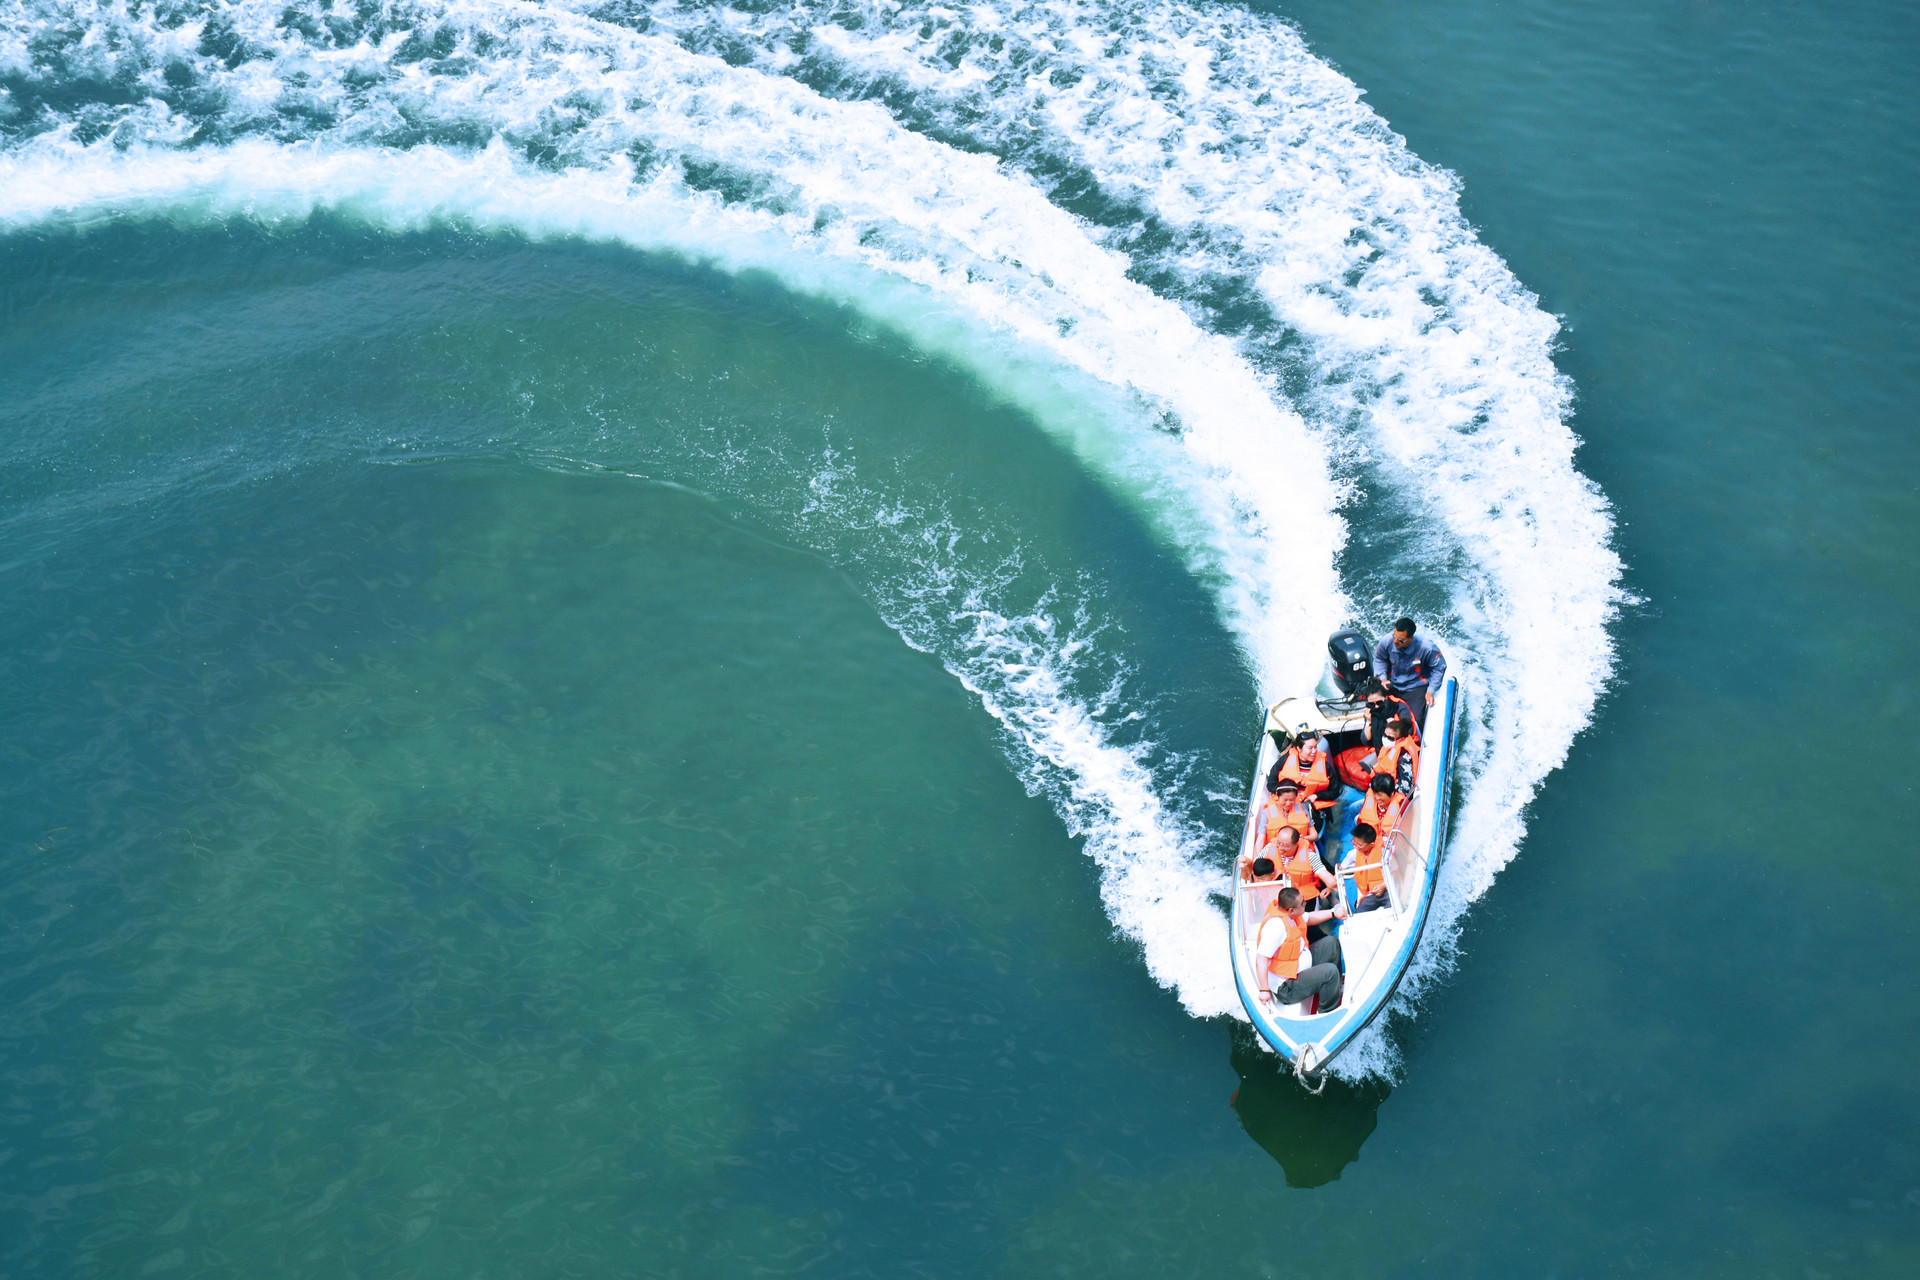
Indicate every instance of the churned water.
{"type": "Point", "coordinates": [634, 632]}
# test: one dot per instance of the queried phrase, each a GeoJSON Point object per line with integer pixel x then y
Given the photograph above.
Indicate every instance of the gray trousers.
{"type": "Point", "coordinates": [1322, 978]}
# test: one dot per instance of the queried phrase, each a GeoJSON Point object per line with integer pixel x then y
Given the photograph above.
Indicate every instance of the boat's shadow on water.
{"type": "Point", "coordinates": [1314, 1137]}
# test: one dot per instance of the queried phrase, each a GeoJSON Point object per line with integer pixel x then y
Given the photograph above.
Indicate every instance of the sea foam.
{"type": "Point", "coordinates": [1169, 233]}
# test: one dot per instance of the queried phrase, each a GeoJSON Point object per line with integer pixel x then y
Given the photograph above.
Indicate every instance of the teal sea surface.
{"type": "Point", "coordinates": [634, 632]}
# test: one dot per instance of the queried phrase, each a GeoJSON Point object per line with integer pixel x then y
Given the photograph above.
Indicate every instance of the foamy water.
{"type": "Point", "coordinates": [1170, 235]}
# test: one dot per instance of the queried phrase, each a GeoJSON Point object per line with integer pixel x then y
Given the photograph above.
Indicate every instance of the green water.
{"type": "Point", "coordinates": [469, 809]}
{"type": "Point", "coordinates": [431, 830]}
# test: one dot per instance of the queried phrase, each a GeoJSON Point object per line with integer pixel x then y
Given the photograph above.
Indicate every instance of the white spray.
{"type": "Point", "coordinates": [1418, 360]}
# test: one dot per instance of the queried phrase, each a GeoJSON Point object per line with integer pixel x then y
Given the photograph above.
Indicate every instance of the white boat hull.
{"type": "Point", "coordinates": [1376, 946]}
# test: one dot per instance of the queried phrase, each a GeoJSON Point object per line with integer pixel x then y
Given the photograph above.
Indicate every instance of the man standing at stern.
{"type": "Point", "coordinates": [1412, 668]}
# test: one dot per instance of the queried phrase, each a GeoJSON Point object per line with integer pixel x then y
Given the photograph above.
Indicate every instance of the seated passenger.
{"type": "Point", "coordinates": [1369, 876]}
{"type": "Point", "coordinates": [1260, 870]}
{"type": "Point", "coordinates": [1385, 705]}
{"type": "Point", "coordinates": [1305, 764]}
{"type": "Point", "coordinates": [1297, 863]}
{"type": "Point", "coordinates": [1399, 758]}
{"type": "Point", "coordinates": [1290, 968]}
{"type": "Point", "coordinates": [1384, 806]}
{"type": "Point", "coordinates": [1283, 809]}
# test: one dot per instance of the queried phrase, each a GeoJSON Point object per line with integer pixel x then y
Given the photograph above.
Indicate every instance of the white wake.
{"type": "Point", "coordinates": [1263, 307]}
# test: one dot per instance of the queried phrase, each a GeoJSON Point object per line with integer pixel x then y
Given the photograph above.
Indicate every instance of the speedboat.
{"type": "Point", "coordinates": [1376, 946]}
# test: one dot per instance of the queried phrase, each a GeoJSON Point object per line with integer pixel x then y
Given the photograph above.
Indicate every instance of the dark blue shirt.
{"type": "Point", "coordinates": [1420, 663]}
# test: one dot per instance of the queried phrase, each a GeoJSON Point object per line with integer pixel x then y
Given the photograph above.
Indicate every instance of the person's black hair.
{"type": "Point", "coordinates": [1263, 866]}
{"type": "Point", "coordinates": [1288, 898]}
{"type": "Point", "coordinates": [1284, 830]}
{"type": "Point", "coordinates": [1403, 625]}
{"type": "Point", "coordinates": [1286, 784]}
{"type": "Point", "coordinates": [1381, 783]}
{"type": "Point", "coordinates": [1364, 831]}
{"type": "Point", "coordinates": [1403, 723]}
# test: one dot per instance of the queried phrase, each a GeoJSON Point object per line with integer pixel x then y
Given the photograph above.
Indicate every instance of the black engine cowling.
{"type": "Point", "coordinates": [1351, 655]}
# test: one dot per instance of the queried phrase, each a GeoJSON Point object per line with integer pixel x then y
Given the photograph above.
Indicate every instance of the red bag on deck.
{"type": "Point", "coordinates": [1355, 765]}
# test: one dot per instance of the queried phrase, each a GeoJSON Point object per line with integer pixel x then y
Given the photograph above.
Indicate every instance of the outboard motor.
{"type": "Point", "coordinates": [1351, 657]}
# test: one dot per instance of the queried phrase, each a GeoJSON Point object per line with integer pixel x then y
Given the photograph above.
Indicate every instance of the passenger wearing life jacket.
{"type": "Point", "coordinates": [1305, 763]}
{"type": "Point", "coordinates": [1399, 757]}
{"type": "Point", "coordinates": [1384, 806]}
{"type": "Point", "coordinates": [1297, 863]}
{"type": "Point", "coordinates": [1369, 876]}
{"type": "Point", "coordinates": [1260, 870]}
{"type": "Point", "coordinates": [1384, 706]}
{"type": "Point", "coordinates": [1287, 966]}
{"type": "Point", "coordinates": [1284, 809]}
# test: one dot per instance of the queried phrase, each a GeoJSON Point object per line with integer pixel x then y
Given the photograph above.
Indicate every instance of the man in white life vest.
{"type": "Point", "coordinates": [1287, 965]}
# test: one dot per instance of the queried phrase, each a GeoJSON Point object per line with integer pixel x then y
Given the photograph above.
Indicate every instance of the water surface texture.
{"type": "Point", "coordinates": [634, 632]}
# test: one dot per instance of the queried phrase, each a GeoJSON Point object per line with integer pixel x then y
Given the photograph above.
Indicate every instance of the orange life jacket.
{"type": "Point", "coordinates": [1300, 870]}
{"type": "Point", "coordinates": [1387, 764]}
{"type": "Point", "coordinates": [1312, 780]}
{"type": "Point", "coordinates": [1286, 958]}
{"type": "Point", "coordinates": [1301, 820]}
{"type": "Point", "coordinates": [1368, 877]}
{"type": "Point", "coordinates": [1382, 820]}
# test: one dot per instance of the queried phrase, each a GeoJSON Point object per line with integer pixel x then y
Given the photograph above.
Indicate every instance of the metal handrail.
{"type": "Point", "coordinates": [1396, 842]}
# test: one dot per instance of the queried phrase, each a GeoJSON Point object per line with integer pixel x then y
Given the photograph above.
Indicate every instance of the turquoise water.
{"type": "Point", "coordinates": [627, 657]}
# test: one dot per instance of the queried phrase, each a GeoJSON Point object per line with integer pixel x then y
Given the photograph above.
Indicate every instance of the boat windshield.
{"type": "Point", "coordinates": [1330, 698]}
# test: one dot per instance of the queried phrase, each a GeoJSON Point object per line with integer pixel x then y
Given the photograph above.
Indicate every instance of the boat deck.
{"type": "Point", "coordinates": [1376, 946]}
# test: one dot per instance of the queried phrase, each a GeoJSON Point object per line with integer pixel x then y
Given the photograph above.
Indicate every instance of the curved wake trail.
{"type": "Point", "coordinates": [1246, 178]}
{"type": "Point", "coordinates": [1169, 233]}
